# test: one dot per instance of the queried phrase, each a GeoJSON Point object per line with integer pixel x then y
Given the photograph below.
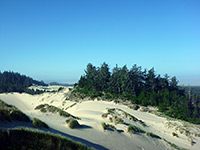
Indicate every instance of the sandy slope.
{"type": "Point", "coordinates": [91, 112]}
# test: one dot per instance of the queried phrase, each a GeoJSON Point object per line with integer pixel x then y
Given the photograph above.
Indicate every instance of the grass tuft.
{"type": "Point", "coordinates": [38, 123]}
{"type": "Point", "coordinates": [174, 134]}
{"type": "Point", "coordinates": [153, 135]}
{"type": "Point", "coordinates": [50, 108]}
{"type": "Point", "coordinates": [11, 113]}
{"type": "Point", "coordinates": [108, 126]}
{"type": "Point", "coordinates": [133, 129]}
{"type": "Point", "coordinates": [73, 123]}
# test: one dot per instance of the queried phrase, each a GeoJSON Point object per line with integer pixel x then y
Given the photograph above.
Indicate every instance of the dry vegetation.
{"type": "Point", "coordinates": [11, 113]}
{"type": "Point", "coordinates": [50, 108]}
{"type": "Point", "coordinates": [117, 116]}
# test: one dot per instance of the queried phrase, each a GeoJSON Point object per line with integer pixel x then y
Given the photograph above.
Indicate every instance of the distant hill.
{"type": "Point", "coordinates": [61, 84]}
{"type": "Point", "coordinates": [15, 82]}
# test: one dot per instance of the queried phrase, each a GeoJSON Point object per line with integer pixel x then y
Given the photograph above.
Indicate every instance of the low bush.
{"type": "Point", "coordinates": [104, 115]}
{"type": "Point", "coordinates": [174, 134]}
{"type": "Point", "coordinates": [73, 123]}
{"type": "Point", "coordinates": [119, 120]}
{"type": "Point", "coordinates": [60, 89]}
{"type": "Point", "coordinates": [38, 123]}
{"type": "Point", "coordinates": [153, 135]}
{"type": "Point", "coordinates": [107, 126]}
{"type": "Point", "coordinates": [134, 129]}
{"type": "Point", "coordinates": [104, 125]}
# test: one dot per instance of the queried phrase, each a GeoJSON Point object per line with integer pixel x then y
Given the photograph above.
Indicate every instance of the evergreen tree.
{"type": "Point", "coordinates": [150, 80]}
{"type": "Point", "coordinates": [174, 83]}
{"type": "Point", "coordinates": [104, 76]}
{"type": "Point", "coordinates": [115, 84]}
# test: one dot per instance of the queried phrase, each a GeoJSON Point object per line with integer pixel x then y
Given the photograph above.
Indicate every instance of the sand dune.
{"type": "Point", "coordinates": [91, 111]}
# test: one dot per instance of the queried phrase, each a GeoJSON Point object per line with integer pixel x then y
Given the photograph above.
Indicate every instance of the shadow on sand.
{"type": "Point", "coordinates": [17, 124]}
{"type": "Point", "coordinates": [85, 127]}
{"type": "Point", "coordinates": [88, 143]}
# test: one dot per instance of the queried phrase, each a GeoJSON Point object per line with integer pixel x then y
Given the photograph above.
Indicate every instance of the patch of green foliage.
{"type": "Point", "coordinates": [73, 123]}
{"type": "Point", "coordinates": [118, 120]}
{"type": "Point", "coordinates": [60, 89]}
{"type": "Point", "coordinates": [104, 115]}
{"type": "Point", "coordinates": [134, 129]}
{"type": "Point", "coordinates": [131, 117]}
{"type": "Point", "coordinates": [53, 109]}
{"type": "Point", "coordinates": [104, 125]}
{"type": "Point", "coordinates": [11, 113]}
{"type": "Point", "coordinates": [134, 107]}
{"type": "Point", "coordinates": [153, 135]}
{"type": "Point", "coordinates": [174, 134]}
{"type": "Point", "coordinates": [108, 126]}
{"type": "Point", "coordinates": [21, 139]}
{"type": "Point", "coordinates": [38, 123]}
{"type": "Point", "coordinates": [111, 110]}
{"type": "Point", "coordinates": [114, 118]}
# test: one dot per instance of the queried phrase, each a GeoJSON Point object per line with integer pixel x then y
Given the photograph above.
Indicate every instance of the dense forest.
{"type": "Point", "coordinates": [143, 87]}
{"type": "Point", "coordinates": [15, 82]}
{"type": "Point", "coordinates": [192, 90]}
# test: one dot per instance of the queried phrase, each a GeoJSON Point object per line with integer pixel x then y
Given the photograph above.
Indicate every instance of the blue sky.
{"type": "Point", "coordinates": [55, 40]}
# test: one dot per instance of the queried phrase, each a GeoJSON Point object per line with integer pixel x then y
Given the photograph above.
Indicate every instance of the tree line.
{"type": "Point", "coordinates": [143, 87]}
{"type": "Point", "coordinates": [15, 82]}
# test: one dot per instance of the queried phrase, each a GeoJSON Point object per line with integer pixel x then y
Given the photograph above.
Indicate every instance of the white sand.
{"type": "Point", "coordinates": [90, 113]}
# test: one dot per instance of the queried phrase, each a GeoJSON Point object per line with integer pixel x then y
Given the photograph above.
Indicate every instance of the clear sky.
{"type": "Point", "coordinates": [54, 40]}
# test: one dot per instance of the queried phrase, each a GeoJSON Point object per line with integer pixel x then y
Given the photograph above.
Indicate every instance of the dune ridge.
{"type": "Point", "coordinates": [90, 113]}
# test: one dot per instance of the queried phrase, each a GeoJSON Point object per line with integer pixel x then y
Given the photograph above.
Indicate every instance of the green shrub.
{"type": "Point", "coordinates": [104, 125]}
{"type": "Point", "coordinates": [174, 134]}
{"type": "Point", "coordinates": [134, 129]}
{"type": "Point", "coordinates": [73, 123]}
{"type": "Point", "coordinates": [107, 126]}
{"type": "Point", "coordinates": [68, 120]}
{"type": "Point", "coordinates": [104, 115]}
{"type": "Point", "coordinates": [38, 123]}
{"type": "Point", "coordinates": [132, 117]}
{"type": "Point", "coordinates": [60, 89]}
{"type": "Point", "coordinates": [111, 110]}
{"type": "Point", "coordinates": [64, 113]}
{"type": "Point", "coordinates": [40, 106]}
{"type": "Point", "coordinates": [119, 120]}
{"type": "Point", "coordinates": [153, 135]}
{"type": "Point", "coordinates": [136, 107]}
{"type": "Point", "coordinates": [43, 110]}
{"type": "Point", "coordinates": [111, 126]}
